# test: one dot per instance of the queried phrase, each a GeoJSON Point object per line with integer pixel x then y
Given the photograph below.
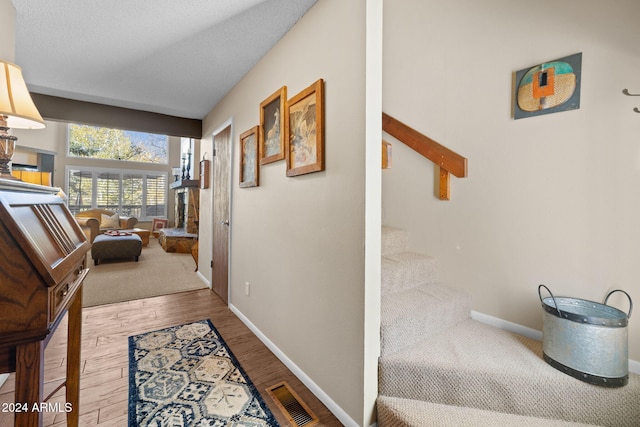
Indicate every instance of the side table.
{"type": "Point", "coordinates": [144, 234]}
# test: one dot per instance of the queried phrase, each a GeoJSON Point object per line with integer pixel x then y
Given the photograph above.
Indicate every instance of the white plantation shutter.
{"type": "Point", "coordinates": [79, 190]}
{"type": "Point", "coordinates": [142, 194]}
{"type": "Point", "coordinates": [156, 196]}
{"type": "Point", "coordinates": [108, 191]}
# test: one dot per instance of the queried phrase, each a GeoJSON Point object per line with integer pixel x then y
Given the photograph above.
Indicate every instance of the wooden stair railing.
{"type": "Point", "coordinates": [448, 160]}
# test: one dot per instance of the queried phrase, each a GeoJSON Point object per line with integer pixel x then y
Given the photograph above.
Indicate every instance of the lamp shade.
{"type": "Point", "coordinates": [15, 101]}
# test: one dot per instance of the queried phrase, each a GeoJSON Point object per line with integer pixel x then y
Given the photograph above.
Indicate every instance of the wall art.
{"type": "Point", "coordinates": [157, 224]}
{"type": "Point", "coordinates": [549, 87]}
{"type": "Point", "coordinates": [249, 164]}
{"type": "Point", "coordinates": [305, 127]}
{"type": "Point", "coordinates": [272, 127]}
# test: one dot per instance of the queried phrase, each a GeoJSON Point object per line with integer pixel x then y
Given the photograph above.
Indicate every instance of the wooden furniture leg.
{"type": "Point", "coordinates": [73, 359]}
{"type": "Point", "coordinates": [29, 378]}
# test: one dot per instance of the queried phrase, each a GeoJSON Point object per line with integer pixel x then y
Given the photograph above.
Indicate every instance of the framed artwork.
{"type": "Point", "coordinates": [305, 128]}
{"type": "Point", "coordinates": [272, 127]}
{"type": "Point", "coordinates": [158, 223]}
{"type": "Point", "coordinates": [249, 167]}
{"type": "Point", "coordinates": [548, 88]}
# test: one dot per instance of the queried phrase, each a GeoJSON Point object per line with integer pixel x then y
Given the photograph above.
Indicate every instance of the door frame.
{"type": "Point", "coordinates": [226, 124]}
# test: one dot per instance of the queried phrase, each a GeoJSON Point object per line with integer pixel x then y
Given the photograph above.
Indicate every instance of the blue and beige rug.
{"type": "Point", "coordinates": [187, 376]}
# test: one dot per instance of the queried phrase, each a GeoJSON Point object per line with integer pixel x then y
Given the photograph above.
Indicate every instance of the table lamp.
{"type": "Point", "coordinates": [17, 111]}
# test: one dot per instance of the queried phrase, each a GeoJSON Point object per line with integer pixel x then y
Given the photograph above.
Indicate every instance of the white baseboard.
{"type": "Point", "coordinates": [204, 279]}
{"type": "Point", "coordinates": [634, 366]}
{"type": "Point", "coordinates": [534, 334]}
{"type": "Point", "coordinates": [342, 416]}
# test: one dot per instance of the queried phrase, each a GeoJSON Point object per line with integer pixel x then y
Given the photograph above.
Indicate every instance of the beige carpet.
{"type": "Point", "coordinates": [156, 273]}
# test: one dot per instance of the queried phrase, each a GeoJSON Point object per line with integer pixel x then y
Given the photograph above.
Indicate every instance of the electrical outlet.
{"type": "Point", "coordinates": [246, 288]}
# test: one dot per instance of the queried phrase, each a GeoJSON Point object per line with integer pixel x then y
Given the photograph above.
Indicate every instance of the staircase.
{"type": "Point", "coordinates": [439, 367]}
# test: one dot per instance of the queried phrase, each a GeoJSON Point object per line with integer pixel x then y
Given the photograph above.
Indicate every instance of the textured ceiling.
{"type": "Point", "coordinates": [176, 57]}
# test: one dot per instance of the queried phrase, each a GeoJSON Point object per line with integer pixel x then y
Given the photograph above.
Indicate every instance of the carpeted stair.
{"type": "Point", "coordinates": [439, 367]}
{"type": "Point", "coordinates": [398, 412]}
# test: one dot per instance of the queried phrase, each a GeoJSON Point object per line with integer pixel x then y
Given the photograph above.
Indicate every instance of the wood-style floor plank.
{"type": "Point", "coordinates": [104, 371]}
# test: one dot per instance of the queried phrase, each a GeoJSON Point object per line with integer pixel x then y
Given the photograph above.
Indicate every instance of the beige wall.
{"type": "Point", "coordinates": [549, 200]}
{"type": "Point", "coordinates": [7, 31]}
{"type": "Point", "coordinates": [300, 241]}
{"type": "Point", "coordinates": [53, 138]}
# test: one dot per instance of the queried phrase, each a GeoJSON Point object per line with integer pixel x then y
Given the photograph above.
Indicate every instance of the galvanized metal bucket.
{"type": "Point", "coordinates": [586, 339]}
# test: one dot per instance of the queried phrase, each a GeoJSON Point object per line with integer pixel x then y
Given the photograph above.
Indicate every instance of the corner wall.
{"type": "Point", "coordinates": [299, 241]}
{"type": "Point", "coordinates": [551, 199]}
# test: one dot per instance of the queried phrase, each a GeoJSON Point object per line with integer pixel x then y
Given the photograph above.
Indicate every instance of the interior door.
{"type": "Point", "coordinates": [221, 212]}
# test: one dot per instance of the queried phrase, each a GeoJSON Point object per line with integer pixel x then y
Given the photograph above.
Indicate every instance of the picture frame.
{"type": "Point", "coordinates": [158, 223]}
{"type": "Point", "coordinates": [249, 158]}
{"type": "Point", "coordinates": [304, 122]}
{"type": "Point", "coordinates": [272, 127]}
{"type": "Point", "coordinates": [549, 87]}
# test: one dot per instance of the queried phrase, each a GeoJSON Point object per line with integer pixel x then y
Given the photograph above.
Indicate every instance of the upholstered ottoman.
{"type": "Point", "coordinates": [112, 247]}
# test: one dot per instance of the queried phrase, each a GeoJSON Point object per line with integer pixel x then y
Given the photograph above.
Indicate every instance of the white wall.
{"type": "Point", "coordinates": [53, 138]}
{"type": "Point", "coordinates": [300, 241]}
{"type": "Point", "coordinates": [552, 199]}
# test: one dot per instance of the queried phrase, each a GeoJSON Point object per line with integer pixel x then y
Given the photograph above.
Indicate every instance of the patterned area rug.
{"type": "Point", "coordinates": [187, 376]}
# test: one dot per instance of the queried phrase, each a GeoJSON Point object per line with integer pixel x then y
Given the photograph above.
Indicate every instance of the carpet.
{"type": "Point", "coordinates": [156, 273]}
{"type": "Point", "coordinates": [186, 376]}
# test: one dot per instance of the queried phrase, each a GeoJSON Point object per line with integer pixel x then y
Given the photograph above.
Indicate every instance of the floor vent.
{"type": "Point", "coordinates": [292, 406]}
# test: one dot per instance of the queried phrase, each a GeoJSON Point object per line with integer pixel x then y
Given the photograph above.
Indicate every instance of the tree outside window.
{"type": "Point", "coordinates": [115, 144]}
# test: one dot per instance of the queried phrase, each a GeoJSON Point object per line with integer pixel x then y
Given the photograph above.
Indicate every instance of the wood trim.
{"type": "Point", "coordinates": [437, 153]}
{"type": "Point", "coordinates": [449, 161]}
{"type": "Point", "coordinates": [445, 188]}
{"type": "Point", "coordinates": [386, 155]}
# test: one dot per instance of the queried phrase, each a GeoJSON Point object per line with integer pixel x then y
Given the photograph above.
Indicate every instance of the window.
{"type": "Point", "coordinates": [116, 144]}
{"type": "Point", "coordinates": [138, 193]}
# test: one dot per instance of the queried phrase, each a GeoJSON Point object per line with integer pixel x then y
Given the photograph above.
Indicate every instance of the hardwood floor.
{"type": "Point", "coordinates": [104, 380]}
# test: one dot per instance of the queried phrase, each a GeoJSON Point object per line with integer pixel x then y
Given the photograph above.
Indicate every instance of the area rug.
{"type": "Point", "coordinates": [186, 376]}
{"type": "Point", "coordinates": [156, 273]}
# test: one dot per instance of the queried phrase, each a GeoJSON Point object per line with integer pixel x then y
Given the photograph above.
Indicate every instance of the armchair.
{"type": "Point", "coordinates": [91, 222]}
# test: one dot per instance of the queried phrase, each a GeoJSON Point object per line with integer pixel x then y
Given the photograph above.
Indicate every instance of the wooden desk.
{"type": "Point", "coordinates": [41, 275]}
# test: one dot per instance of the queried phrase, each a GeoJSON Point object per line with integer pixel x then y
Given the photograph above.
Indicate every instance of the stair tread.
{"type": "Point", "coordinates": [394, 240]}
{"type": "Point", "coordinates": [406, 270]}
{"type": "Point", "coordinates": [476, 365]}
{"type": "Point", "coordinates": [406, 256]}
{"type": "Point", "coordinates": [426, 295]}
{"type": "Point", "coordinates": [415, 314]}
{"type": "Point", "coordinates": [398, 412]}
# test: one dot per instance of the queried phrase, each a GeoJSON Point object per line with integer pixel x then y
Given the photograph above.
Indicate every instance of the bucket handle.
{"type": "Point", "coordinates": [628, 296]}
{"type": "Point", "coordinates": [552, 296]}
